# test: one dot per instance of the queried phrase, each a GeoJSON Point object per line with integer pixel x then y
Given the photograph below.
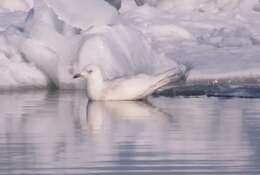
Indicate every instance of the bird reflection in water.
{"type": "Point", "coordinates": [102, 114]}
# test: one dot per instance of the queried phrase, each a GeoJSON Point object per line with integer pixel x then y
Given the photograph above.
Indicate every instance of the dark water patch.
{"type": "Point", "coordinates": [223, 90]}
{"type": "Point", "coordinates": [245, 91]}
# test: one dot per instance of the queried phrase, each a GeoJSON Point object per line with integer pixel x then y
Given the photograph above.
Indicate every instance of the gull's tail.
{"type": "Point", "coordinates": [168, 77]}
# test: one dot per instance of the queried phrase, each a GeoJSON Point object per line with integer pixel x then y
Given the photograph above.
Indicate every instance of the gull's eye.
{"type": "Point", "coordinates": [89, 71]}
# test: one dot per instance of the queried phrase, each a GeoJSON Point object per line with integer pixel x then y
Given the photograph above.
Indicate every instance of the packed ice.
{"type": "Point", "coordinates": [44, 42]}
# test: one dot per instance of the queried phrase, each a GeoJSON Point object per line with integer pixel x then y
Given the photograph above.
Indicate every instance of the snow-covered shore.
{"type": "Point", "coordinates": [220, 40]}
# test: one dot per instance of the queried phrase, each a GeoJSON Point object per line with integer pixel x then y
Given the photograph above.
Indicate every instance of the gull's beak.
{"type": "Point", "coordinates": [76, 76]}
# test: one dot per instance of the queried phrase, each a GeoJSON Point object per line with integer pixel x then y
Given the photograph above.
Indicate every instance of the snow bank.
{"type": "Point", "coordinates": [205, 5]}
{"type": "Point", "coordinates": [219, 39]}
{"type": "Point", "coordinates": [16, 72]}
{"type": "Point", "coordinates": [83, 13]}
{"type": "Point", "coordinates": [16, 5]}
{"type": "Point", "coordinates": [113, 47]}
{"type": "Point", "coordinates": [9, 19]}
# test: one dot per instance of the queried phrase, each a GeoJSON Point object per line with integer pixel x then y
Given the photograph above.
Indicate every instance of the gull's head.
{"type": "Point", "coordinates": [90, 72]}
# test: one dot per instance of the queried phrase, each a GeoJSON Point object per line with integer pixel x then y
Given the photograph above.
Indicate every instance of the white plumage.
{"type": "Point", "coordinates": [135, 87]}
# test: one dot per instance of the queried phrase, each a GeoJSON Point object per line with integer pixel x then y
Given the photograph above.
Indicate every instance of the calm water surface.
{"type": "Point", "coordinates": [61, 133]}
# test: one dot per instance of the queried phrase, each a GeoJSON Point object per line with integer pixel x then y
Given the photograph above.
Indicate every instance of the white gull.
{"type": "Point", "coordinates": [135, 87]}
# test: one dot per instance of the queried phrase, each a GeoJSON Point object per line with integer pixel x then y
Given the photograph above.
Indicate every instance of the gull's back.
{"type": "Point", "coordinates": [139, 86]}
